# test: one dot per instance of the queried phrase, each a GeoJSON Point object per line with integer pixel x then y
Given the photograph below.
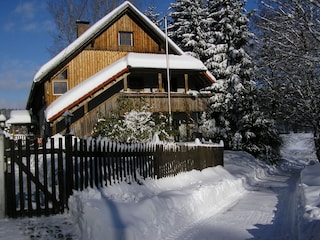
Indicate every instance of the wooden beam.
{"type": "Point", "coordinates": [160, 86]}
{"type": "Point", "coordinates": [85, 108]}
{"type": "Point", "coordinates": [125, 83]}
{"type": "Point", "coordinates": [186, 82]}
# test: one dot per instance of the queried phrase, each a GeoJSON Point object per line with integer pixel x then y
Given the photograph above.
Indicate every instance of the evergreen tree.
{"type": "Point", "coordinates": [228, 33]}
{"type": "Point", "coordinates": [152, 14]}
{"type": "Point", "coordinates": [233, 114]}
{"type": "Point", "coordinates": [187, 28]}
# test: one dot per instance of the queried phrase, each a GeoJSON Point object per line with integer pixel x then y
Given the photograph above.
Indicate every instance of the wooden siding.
{"type": "Point", "coordinates": [84, 126]}
{"type": "Point", "coordinates": [86, 64]}
{"type": "Point", "coordinates": [103, 51]}
{"type": "Point", "coordinates": [159, 101]}
{"type": "Point", "coordinates": [142, 41]}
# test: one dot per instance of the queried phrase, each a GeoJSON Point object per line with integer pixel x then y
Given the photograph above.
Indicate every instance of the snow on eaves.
{"type": "Point", "coordinates": [91, 32]}
{"type": "Point", "coordinates": [19, 117]}
{"type": "Point", "coordinates": [84, 88]}
{"type": "Point", "coordinates": [131, 60]}
{"type": "Point", "coordinates": [159, 61]}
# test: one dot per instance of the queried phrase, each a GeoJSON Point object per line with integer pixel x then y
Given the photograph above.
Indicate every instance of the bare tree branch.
{"type": "Point", "coordinates": [66, 13]}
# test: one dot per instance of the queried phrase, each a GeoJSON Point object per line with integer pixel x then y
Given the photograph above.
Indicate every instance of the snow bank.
{"type": "Point", "coordinates": [298, 151]}
{"type": "Point", "coordinates": [156, 208]}
{"type": "Point", "coordinates": [310, 188]}
{"type": "Point", "coordinates": [159, 209]}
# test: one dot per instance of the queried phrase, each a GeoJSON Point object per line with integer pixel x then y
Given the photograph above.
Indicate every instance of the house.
{"type": "Point", "coordinates": [19, 124]}
{"type": "Point", "coordinates": [121, 56]}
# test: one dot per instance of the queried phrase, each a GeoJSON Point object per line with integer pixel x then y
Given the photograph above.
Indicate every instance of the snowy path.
{"type": "Point", "coordinates": [245, 199]}
{"type": "Point", "coordinates": [266, 211]}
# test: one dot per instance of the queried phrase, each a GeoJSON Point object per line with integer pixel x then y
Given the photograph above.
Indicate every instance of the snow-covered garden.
{"type": "Point", "coordinates": [245, 199]}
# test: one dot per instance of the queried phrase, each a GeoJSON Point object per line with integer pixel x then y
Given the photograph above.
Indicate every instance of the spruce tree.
{"type": "Point", "coordinates": [187, 28]}
{"type": "Point", "coordinates": [227, 35]}
{"type": "Point", "coordinates": [153, 15]}
{"type": "Point", "coordinates": [233, 112]}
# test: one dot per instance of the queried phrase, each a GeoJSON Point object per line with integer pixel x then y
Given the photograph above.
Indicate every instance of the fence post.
{"type": "Point", "coordinates": [2, 180]}
{"type": "Point", "coordinates": [157, 157]}
{"type": "Point", "coordinates": [69, 167]}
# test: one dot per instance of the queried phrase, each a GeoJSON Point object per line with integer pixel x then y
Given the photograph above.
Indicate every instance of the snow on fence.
{"type": "Point", "coordinates": [40, 177]}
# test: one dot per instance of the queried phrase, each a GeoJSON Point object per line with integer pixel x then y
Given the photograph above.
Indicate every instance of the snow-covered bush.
{"type": "Point", "coordinates": [136, 125]}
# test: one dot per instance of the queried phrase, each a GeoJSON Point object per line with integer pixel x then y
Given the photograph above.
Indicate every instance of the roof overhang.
{"type": "Point", "coordinates": [115, 70]}
{"type": "Point", "coordinates": [49, 69]}
{"type": "Point", "coordinates": [96, 30]}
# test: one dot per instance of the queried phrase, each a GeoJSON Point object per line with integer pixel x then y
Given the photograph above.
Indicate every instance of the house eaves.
{"type": "Point", "coordinates": [111, 72]}
{"type": "Point", "coordinates": [50, 68]}
{"type": "Point", "coordinates": [95, 31]}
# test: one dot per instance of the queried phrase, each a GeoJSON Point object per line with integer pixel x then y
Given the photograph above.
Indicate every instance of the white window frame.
{"type": "Point", "coordinates": [125, 44]}
{"type": "Point", "coordinates": [54, 89]}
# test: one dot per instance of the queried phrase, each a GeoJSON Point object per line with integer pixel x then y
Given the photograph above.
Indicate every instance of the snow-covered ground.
{"type": "Point", "coordinates": [245, 199]}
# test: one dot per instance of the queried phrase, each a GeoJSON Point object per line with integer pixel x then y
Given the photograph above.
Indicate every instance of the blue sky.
{"type": "Point", "coordinates": [25, 27]}
{"type": "Point", "coordinates": [24, 30]}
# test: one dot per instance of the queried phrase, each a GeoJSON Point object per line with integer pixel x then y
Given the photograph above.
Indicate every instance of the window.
{"type": "Point", "coordinates": [63, 75]}
{"type": "Point", "coordinates": [60, 84]}
{"type": "Point", "coordinates": [60, 87]}
{"type": "Point", "coordinates": [125, 39]}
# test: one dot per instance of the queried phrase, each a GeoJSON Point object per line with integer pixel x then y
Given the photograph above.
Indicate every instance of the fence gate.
{"type": "Point", "coordinates": [40, 176]}
{"type": "Point", "coordinates": [34, 178]}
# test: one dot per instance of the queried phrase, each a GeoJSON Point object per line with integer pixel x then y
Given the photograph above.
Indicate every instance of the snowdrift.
{"type": "Point", "coordinates": [155, 208]}
{"type": "Point", "coordinates": [165, 208]}
{"type": "Point", "coordinates": [309, 221]}
{"type": "Point", "coordinates": [159, 208]}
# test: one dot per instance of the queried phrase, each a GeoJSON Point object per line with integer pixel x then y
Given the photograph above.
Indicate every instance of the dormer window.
{"type": "Point", "coordinates": [125, 39]}
{"type": "Point", "coordinates": [60, 83]}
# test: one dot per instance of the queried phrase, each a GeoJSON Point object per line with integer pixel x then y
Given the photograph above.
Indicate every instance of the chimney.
{"type": "Point", "coordinates": [82, 26]}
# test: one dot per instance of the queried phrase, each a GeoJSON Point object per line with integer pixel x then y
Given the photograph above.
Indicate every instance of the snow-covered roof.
{"type": "Point", "coordinates": [131, 60]}
{"type": "Point", "coordinates": [19, 117]}
{"type": "Point", "coordinates": [2, 118]}
{"type": "Point", "coordinates": [94, 31]}
{"type": "Point", "coordinates": [159, 61]}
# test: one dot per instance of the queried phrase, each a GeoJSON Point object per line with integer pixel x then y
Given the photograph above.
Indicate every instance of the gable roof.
{"type": "Point", "coordinates": [94, 31]}
{"type": "Point", "coordinates": [132, 60]}
{"type": "Point", "coordinates": [85, 39]}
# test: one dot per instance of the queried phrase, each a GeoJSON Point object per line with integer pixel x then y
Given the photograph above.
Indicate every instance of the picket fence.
{"type": "Point", "coordinates": [41, 175]}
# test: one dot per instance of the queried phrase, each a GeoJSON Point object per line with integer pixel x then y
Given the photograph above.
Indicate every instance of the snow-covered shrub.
{"type": "Point", "coordinates": [136, 125]}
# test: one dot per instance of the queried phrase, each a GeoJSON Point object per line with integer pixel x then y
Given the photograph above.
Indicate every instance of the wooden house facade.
{"type": "Point", "coordinates": [122, 55]}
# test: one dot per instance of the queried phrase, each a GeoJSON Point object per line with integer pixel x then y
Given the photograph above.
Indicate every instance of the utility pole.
{"type": "Point", "coordinates": [168, 70]}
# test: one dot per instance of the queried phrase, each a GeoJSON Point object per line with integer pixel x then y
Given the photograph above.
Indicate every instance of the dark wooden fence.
{"type": "Point", "coordinates": [40, 177]}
